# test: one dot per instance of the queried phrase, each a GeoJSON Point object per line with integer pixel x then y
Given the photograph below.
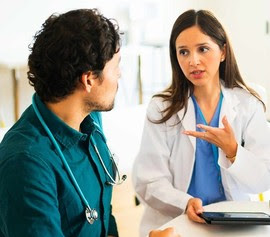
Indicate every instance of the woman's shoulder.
{"type": "Point", "coordinates": [240, 93]}
{"type": "Point", "coordinates": [158, 107]}
{"type": "Point", "coordinates": [244, 97]}
{"type": "Point", "coordinates": [157, 104]}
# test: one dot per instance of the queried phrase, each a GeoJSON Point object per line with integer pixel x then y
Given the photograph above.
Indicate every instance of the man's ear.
{"type": "Point", "coordinates": [87, 80]}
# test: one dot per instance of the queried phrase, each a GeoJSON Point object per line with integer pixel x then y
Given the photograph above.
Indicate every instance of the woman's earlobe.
{"type": "Point", "coordinates": [224, 53]}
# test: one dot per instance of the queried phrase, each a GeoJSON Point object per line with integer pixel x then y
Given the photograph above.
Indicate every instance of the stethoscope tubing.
{"type": "Point", "coordinates": [91, 214]}
{"type": "Point", "coordinates": [112, 180]}
{"type": "Point", "coordinates": [60, 153]}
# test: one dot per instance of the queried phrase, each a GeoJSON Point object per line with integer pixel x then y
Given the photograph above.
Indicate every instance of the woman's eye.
{"type": "Point", "coordinates": [203, 49]}
{"type": "Point", "coordinates": [183, 52]}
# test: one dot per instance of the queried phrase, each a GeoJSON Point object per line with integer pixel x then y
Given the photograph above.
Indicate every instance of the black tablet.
{"type": "Point", "coordinates": [249, 218]}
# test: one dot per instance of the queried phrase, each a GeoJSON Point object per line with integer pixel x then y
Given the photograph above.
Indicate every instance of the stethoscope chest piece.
{"type": "Point", "coordinates": [91, 215]}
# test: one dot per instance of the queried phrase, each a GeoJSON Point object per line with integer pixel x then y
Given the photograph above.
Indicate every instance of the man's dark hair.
{"type": "Point", "coordinates": [67, 46]}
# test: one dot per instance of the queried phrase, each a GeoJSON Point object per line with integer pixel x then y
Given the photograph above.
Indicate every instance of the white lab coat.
{"type": "Point", "coordinates": [163, 168]}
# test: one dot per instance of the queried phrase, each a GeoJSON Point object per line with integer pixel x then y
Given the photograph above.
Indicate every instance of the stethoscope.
{"type": "Point", "coordinates": [91, 214]}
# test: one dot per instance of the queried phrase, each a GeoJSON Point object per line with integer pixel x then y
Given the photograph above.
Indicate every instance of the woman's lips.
{"type": "Point", "coordinates": [197, 74]}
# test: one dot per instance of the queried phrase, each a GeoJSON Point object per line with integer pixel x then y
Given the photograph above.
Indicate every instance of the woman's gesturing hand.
{"type": "Point", "coordinates": [221, 137]}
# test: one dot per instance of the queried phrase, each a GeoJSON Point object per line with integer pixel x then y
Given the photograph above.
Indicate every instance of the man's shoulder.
{"type": "Point", "coordinates": [24, 141]}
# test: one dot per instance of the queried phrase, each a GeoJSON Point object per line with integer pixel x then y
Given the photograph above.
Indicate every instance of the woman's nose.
{"type": "Point", "coordinates": [194, 60]}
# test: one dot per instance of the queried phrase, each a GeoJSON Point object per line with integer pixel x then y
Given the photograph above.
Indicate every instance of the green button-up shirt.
{"type": "Point", "coordinates": [37, 197]}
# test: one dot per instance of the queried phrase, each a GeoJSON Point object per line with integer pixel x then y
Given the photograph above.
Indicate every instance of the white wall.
{"type": "Point", "coordinates": [20, 20]}
{"type": "Point", "coordinates": [7, 113]}
{"type": "Point", "coordinates": [146, 22]}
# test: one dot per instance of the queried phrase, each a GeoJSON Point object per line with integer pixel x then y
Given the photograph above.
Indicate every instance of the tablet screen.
{"type": "Point", "coordinates": [236, 217]}
{"type": "Point", "coordinates": [245, 215]}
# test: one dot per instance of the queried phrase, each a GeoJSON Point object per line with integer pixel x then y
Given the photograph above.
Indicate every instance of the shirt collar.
{"type": "Point", "coordinates": [64, 134]}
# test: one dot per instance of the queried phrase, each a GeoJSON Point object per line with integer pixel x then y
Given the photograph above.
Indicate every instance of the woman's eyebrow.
{"type": "Point", "coordinates": [200, 44]}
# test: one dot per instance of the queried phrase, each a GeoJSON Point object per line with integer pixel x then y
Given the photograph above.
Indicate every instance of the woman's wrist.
{"type": "Point", "coordinates": [231, 156]}
{"type": "Point", "coordinates": [232, 151]}
{"type": "Point", "coordinates": [231, 159]}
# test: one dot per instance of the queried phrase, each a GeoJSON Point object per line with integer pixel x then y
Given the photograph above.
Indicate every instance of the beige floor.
{"type": "Point", "coordinates": [127, 214]}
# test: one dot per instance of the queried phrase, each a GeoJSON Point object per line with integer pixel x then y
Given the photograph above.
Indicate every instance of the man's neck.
{"type": "Point", "coordinates": [69, 110]}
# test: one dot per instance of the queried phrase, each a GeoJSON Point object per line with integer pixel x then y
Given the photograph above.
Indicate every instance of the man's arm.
{"type": "Point", "coordinates": [112, 231]}
{"type": "Point", "coordinates": [28, 204]}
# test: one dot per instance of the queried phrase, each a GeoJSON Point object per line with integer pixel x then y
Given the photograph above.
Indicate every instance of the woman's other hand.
{"type": "Point", "coordinates": [194, 208]}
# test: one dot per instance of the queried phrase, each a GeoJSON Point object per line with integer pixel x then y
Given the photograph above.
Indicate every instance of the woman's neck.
{"type": "Point", "coordinates": [207, 99]}
{"type": "Point", "coordinates": [207, 96]}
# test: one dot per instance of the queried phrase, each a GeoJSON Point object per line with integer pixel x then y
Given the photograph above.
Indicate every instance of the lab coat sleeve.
{"type": "Point", "coordinates": [251, 169]}
{"type": "Point", "coordinates": [28, 199]}
{"type": "Point", "coordinates": [152, 178]}
{"type": "Point", "coordinates": [112, 231]}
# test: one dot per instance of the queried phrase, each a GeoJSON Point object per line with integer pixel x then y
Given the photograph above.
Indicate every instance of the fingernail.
{"type": "Point", "coordinates": [185, 132]}
{"type": "Point", "coordinates": [199, 125]}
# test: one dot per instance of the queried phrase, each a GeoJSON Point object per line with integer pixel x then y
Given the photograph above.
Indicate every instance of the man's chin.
{"type": "Point", "coordinates": [109, 107]}
{"type": "Point", "coordinates": [105, 109]}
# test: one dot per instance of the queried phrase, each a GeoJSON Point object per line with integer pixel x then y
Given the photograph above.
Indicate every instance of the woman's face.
{"type": "Point", "coordinates": [198, 56]}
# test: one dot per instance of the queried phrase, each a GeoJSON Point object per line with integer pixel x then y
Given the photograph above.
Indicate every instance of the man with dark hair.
{"type": "Point", "coordinates": [74, 68]}
{"type": "Point", "coordinates": [56, 171]}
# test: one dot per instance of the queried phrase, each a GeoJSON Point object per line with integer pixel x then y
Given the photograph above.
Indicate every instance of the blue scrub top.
{"type": "Point", "coordinates": [37, 195]}
{"type": "Point", "coordinates": [206, 180]}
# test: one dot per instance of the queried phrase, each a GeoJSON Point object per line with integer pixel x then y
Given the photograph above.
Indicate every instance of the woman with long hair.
{"type": "Point", "coordinates": [206, 138]}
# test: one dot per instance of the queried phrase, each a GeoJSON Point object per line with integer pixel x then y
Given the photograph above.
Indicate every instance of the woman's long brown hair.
{"type": "Point", "coordinates": [178, 92]}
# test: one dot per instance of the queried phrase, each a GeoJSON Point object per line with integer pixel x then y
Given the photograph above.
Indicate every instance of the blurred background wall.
{"type": "Point", "coordinates": [145, 59]}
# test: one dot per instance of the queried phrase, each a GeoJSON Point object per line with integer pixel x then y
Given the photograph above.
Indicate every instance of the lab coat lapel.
{"type": "Point", "coordinates": [230, 101]}
{"type": "Point", "coordinates": [188, 121]}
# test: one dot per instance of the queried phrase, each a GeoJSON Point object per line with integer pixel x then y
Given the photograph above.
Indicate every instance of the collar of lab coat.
{"type": "Point", "coordinates": [230, 101]}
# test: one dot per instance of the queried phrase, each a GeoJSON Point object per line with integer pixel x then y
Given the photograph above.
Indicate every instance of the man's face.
{"type": "Point", "coordinates": [103, 92]}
